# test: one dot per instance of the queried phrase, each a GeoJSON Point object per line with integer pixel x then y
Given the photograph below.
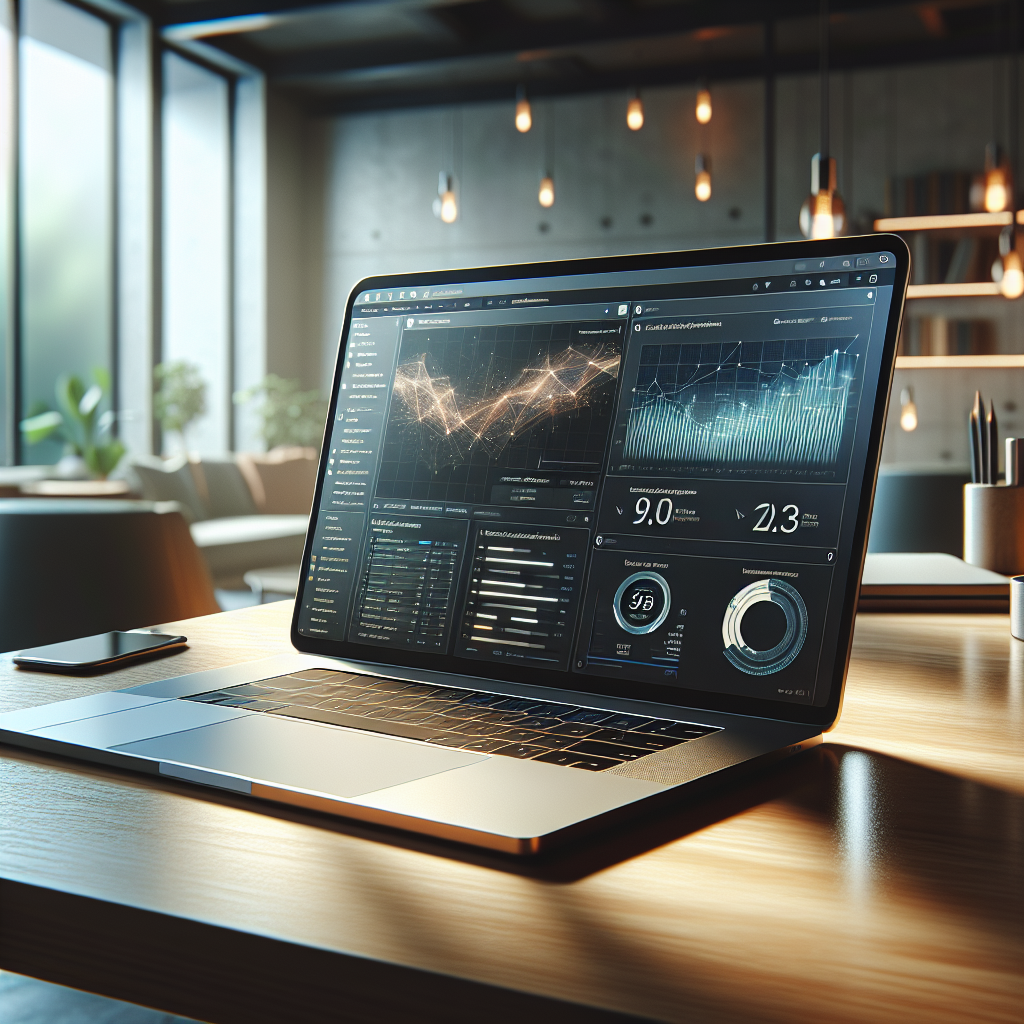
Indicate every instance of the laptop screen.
{"type": "Point", "coordinates": [645, 479]}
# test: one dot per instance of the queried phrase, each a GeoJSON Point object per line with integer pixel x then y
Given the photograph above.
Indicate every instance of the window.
{"type": "Point", "coordinates": [196, 238]}
{"type": "Point", "coordinates": [66, 257]}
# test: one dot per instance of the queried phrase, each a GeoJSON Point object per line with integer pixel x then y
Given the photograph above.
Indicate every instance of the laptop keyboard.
{"type": "Point", "coordinates": [562, 734]}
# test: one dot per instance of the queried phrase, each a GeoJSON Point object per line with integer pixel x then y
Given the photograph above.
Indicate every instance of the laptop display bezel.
{"type": "Point", "coordinates": [820, 715]}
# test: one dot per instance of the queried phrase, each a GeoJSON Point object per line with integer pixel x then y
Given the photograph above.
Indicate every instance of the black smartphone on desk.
{"type": "Point", "coordinates": [89, 653]}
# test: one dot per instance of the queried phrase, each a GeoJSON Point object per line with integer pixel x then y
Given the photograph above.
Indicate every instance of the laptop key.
{"type": "Point", "coordinates": [536, 722]}
{"type": "Point", "coordinates": [483, 746]}
{"type": "Point", "coordinates": [521, 736]}
{"type": "Point", "coordinates": [577, 729]}
{"type": "Point", "coordinates": [406, 729]}
{"type": "Point", "coordinates": [649, 743]}
{"type": "Point", "coordinates": [610, 750]}
{"type": "Point", "coordinates": [594, 764]}
{"type": "Point", "coordinates": [563, 757]}
{"type": "Point", "coordinates": [625, 722]}
{"type": "Point", "coordinates": [520, 750]}
{"type": "Point", "coordinates": [554, 742]}
{"type": "Point", "coordinates": [589, 717]}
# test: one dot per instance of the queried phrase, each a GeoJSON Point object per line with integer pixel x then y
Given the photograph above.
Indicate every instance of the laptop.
{"type": "Point", "coordinates": [587, 536]}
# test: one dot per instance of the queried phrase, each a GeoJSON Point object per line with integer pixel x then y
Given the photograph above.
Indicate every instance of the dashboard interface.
{"type": "Point", "coordinates": [644, 476]}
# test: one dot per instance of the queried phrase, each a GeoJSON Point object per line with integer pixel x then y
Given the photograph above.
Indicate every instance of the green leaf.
{"type": "Point", "coordinates": [91, 399]}
{"type": "Point", "coordinates": [103, 459]}
{"type": "Point", "coordinates": [40, 427]}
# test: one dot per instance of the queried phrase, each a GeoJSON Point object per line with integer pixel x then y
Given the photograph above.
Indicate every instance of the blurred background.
{"type": "Point", "coordinates": [190, 188]}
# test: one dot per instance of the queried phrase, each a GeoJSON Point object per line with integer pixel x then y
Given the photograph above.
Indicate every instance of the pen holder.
{"type": "Point", "coordinates": [994, 527]}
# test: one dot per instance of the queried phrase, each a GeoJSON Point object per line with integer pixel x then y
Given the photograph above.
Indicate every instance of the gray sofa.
{"type": "Point", "coordinates": [228, 527]}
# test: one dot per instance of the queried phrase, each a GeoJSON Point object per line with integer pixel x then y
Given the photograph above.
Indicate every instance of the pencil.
{"type": "Point", "coordinates": [993, 443]}
{"type": "Point", "coordinates": [975, 432]}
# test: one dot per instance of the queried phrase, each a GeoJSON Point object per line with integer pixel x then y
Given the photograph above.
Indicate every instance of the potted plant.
{"type": "Point", "coordinates": [180, 398]}
{"type": "Point", "coordinates": [90, 447]}
{"type": "Point", "coordinates": [289, 415]}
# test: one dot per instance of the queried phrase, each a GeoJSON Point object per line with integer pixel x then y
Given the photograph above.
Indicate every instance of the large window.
{"type": "Point", "coordinates": [196, 238]}
{"type": "Point", "coordinates": [66, 93]}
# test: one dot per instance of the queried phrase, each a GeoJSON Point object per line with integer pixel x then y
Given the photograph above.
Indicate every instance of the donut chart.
{"type": "Point", "coordinates": [763, 663]}
{"type": "Point", "coordinates": [642, 602]}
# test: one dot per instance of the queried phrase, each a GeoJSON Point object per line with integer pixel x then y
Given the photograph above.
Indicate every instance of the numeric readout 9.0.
{"type": "Point", "coordinates": [661, 515]}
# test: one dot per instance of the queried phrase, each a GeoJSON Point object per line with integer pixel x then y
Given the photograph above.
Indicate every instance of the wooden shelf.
{"type": "Point", "coordinates": [963, 290]}
{"type": "Point", "coordinates": [993, 362]}
{"type": "Point", "coordinates": [948, 221]}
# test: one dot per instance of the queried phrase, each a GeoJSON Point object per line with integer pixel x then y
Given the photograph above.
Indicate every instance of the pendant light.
{"type": "Point", "coordinates": [997, 184]}
{"type": "Point", "coordinates": [702, 184]}
{"type": "Point", "coordinates": [823, 214]}
{"type": "Point", "coordinates": [446, 206]}
{"type": "Point", "coordinates": [524, 115]}
{"type": "Point", "coordinates": [546, 194]}
{"type": "Point", "coordinates": [635, 113]}
{"type": "Point", "coordinates": [908, 410]}
{"type": "Point", "coordinates": [703, 108]}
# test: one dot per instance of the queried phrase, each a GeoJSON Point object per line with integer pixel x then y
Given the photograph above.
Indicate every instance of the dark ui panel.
{"type": "Point", "coordinates": [787, 514]}
{"type": "Point", "coordinates": [515, 414]}
{"type": "Point", "coordinates": [731, 625]}
{"type": "Point", "coordinates": [523, 595]}
{"type": "Point", "coordinates": [406, 592]}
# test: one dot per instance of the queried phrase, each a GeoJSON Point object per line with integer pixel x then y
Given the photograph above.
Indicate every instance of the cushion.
{"type": "Point", "coordinates": [170, 480]}
{"type": "Point", "coordinates": [233, 546]}
{"type": "Point", "coordinates": [223, 488]}
{"type": "Point", "coordinates": [283, 480]}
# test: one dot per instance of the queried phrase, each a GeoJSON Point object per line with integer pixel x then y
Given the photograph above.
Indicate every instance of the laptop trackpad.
{"type": "Point", "coordinates": [300, 755]}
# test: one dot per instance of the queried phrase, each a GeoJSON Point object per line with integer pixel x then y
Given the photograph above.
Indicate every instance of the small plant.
{"type": "Point", "coordinates": [290, 415]}
{"type": "Point", "coordinates": [180, 398]}
{"type": "Point", "coordinates": [79, 423]}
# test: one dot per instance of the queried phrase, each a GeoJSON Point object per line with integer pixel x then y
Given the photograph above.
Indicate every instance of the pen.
{"type": "Point", "coordinates": [993, 444]}
{"type": "Point", "coordinates": [975, 440]}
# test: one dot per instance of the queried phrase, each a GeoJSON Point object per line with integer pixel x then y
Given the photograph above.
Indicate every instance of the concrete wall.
{"type": "Point", "coordinates": [616, 192]}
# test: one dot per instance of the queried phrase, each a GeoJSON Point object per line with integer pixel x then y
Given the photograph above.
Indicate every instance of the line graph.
{"type": "Point", "coordinates": [773, 405]}
{"type": "Point", "coordinates": [479, 408]}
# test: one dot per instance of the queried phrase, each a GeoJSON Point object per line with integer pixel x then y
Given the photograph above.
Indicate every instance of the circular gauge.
{"type": "Point", "coordinates": [774, 659]}
{"type": "Point", "coordinates": [642, 602]}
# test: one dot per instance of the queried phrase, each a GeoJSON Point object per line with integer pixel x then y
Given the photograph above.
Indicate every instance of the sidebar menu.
{"type": "Point", "coordinates": [352, 462]}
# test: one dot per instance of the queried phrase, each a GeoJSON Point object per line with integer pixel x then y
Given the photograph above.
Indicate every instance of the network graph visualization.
{"type": "Point", "coordinates": [770, 405]}
{"type": "Point", "coordinates": [470, 405]}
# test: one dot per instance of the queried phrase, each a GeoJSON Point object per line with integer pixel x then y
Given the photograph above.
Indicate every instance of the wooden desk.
{"type": "Point", "coordinates": [875, 878]}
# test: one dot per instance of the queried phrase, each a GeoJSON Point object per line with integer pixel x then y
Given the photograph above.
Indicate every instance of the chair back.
{"type": "Point", "coordinates": [71, 568]}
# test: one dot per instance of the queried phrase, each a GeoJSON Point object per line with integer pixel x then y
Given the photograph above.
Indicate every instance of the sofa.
{"type": "Point", "coordinates": [245, 511]}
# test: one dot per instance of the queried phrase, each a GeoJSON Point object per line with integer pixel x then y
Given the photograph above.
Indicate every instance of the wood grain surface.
{"type": "Point", "coordinates": [875, 878]}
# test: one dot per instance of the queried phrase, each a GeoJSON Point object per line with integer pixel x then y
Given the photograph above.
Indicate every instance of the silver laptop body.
{"type": "Point", "coordinates": [584, 533]}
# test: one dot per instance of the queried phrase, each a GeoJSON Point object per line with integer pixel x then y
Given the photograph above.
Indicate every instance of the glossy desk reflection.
{"type": "Point", "coordinates": [876, 878]}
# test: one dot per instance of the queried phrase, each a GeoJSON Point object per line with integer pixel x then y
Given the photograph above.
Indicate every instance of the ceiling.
{"type": "Point", "coordinates": [370, 54]}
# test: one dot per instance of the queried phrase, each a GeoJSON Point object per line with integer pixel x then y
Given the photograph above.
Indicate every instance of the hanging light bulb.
{"type": "Point", "coordinates": [997, 183]}
{"type": "Point", "coordinates": [524, 115]}
{"type": "Point", "coordinates": [1008, 270]}
{"type": "Point", "coordinates": [703, 110]}
{"type": "Point", "coordinates": [702, 184]}
{"type": "Point", "coordinates": [908, 410]}
{"type": "Point", "coordinates": [823, 214]}
{"type": "Point", "coordinates": [546, 194]}
{"type": "Point", "coordinates": [635, 113]}
{"type": "Point", "coordinates": [446, 206]}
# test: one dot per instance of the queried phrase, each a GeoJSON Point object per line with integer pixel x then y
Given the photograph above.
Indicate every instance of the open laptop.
{"type": "Point", "coordinates": [586, 536]}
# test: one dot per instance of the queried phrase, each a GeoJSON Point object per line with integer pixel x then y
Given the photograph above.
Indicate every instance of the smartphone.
{"type": "Point", "coordinates": [93, 652]}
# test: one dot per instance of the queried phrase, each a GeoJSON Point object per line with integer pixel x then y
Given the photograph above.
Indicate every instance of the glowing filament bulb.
{"type": "Point", "coordinates": [908, 410]}
{"type": "Point", "coordinates": [546, 194]}
{"type": "Point", "coordinates": [702, 184]}
{"type": "Point", "coordinates": [1012, 283]}
{"type": "Point", "coordinates": [524, 116]}
{"type": "Point", "coordinates": [703, 110]}
{"type": "Point", "coordinates": [635, 114]}
{"type": "Point", "coordinates": [449, 208]}
{"type": "Point", "coordinates": [822, 224]}
{"type": "Point", "coordinates": [996, 191]}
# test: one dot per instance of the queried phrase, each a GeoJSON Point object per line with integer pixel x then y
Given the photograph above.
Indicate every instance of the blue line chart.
{"type": "Point", "coordinates": [733, 412]}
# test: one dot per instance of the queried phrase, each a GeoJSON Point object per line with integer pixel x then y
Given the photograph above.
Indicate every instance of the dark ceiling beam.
{"type": "Point", "coordinates": [851, 59]}
{"type": "Point", "coordinates": [167, 14]}
{"type": "Point", "coordinates": [655, 24]}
